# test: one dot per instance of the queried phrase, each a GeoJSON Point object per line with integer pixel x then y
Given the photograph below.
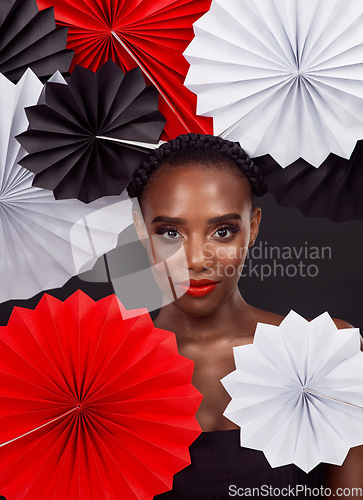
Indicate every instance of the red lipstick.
{"type": "Point", "coordinates": [198, 288]}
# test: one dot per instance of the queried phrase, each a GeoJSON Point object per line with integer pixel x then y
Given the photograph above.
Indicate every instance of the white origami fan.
{"type": "Point", "coordinates": [283, 77]}
{"type": "Point", "coordinates": [297, 392]}
{"type": "Point", "coordinates": [36, 251]}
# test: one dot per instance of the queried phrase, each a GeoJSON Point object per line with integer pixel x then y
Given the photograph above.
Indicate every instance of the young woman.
{"type": "Point", "coordinates": [196, 195]}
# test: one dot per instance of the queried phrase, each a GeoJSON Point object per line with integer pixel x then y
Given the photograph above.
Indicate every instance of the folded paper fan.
{"type": "Point", "coordinates": [150, 34]}
{"type": "Point", "coordinates": [297, 392]}
{"type": "Point", "coordinates": [76, 136]}
{"type": "Point", "coordinates": [283, 77]}
{"type": "Point", "coordinates": [29, 39]}
{"type": "Point", "coordinates": [44, 242]}
{"type": "Point", "coordinates": [95, 403]}
{"type": "Point", "coordinates": [334, 190]}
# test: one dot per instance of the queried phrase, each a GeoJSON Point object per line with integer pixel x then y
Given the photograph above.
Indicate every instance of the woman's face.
{"type": "Point", "coordinates": [200, 224]}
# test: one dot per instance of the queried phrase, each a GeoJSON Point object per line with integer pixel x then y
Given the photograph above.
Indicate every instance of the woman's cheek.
{"type": "Point", "coordinates": [230, 260]}
{"type": "Point", "coordinates": [169, 266]}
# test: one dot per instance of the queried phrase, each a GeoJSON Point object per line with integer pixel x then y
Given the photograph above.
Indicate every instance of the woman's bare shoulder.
{"type": "Point", "coordinates": [340, 324]}
{"type": "Point", "coordinates": [262, 316]}
{"type": "Point", "coordinates": [271, 318]}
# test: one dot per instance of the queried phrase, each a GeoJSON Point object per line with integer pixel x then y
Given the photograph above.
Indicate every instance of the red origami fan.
{"type": "Point", "coordinates": [95, 402]}
{"type": "Point", "coordinates": [151, 34]}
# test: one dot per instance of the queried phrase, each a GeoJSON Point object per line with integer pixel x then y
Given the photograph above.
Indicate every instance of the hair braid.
{"type": "Point", "coordinates": [191, 147]}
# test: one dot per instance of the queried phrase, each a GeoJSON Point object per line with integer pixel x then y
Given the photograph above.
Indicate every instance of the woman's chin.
{"type": "Point", "coordinates": [198, 306]}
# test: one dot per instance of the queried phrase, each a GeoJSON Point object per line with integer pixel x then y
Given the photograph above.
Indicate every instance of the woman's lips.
{"type": "Point", "coordinates": [198, 288]}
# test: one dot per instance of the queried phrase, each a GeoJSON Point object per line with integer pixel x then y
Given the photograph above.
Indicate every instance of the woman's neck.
{"type": "Point", "coordinates": [228, 319]}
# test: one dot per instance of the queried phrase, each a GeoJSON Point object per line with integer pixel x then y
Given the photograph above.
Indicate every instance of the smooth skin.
{"type": "Point", "coordinates": [211, 217]}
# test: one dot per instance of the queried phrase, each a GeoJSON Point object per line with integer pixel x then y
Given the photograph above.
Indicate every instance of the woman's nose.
{"type": "Point", "coordinates": [196, 255]}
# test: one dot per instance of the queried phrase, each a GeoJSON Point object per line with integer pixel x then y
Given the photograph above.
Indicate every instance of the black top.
{"type": "Point", "coordinates": [221, 468]}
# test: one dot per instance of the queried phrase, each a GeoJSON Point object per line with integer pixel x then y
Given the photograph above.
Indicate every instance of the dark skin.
{"type": "Point", "coordinates": [185, 201]}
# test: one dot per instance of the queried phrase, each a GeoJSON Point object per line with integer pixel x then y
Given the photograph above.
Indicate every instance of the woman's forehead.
{"type": "Point", "coordinates": [197, 189]}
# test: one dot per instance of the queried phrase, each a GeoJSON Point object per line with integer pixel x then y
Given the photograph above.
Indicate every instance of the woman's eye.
{"type": "Point", "coordinates": [225, 232]}
{"type": "Point", "coordinates": [169, 234]}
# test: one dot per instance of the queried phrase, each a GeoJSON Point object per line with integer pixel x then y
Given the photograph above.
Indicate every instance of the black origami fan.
{"type": "Point", "coordinates": [334, 190]}
{"type": "Point", "coordinates": [84, 137]}
{"type": "Point", "coordinates": [29, 39]}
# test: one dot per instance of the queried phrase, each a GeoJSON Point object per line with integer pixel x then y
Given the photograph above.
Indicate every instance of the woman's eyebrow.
{"type": "Point", "coordinates": [178, 220]}
{"type": "Point", "coordinates": [224, 218]}
{"type": "Point", "coordinates": [168, 220]}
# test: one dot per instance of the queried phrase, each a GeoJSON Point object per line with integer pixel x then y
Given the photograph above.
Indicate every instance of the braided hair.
{"type": "Point", "coordinates": [206, 149]}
